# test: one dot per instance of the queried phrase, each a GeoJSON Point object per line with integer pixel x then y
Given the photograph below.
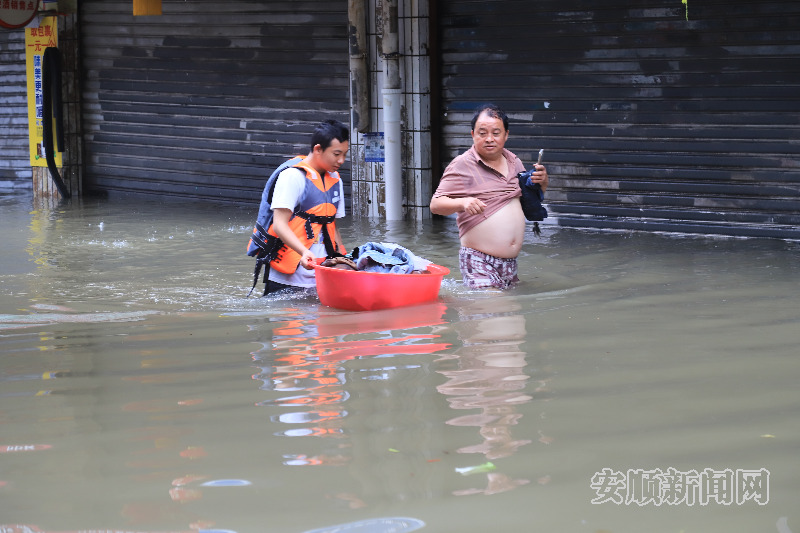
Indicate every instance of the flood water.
{"type": "Point", "coordinates": [632, 383]}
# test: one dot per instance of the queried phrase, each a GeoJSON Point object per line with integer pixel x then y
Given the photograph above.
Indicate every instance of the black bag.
{"type": "Point", "coordinates": [532, 196]}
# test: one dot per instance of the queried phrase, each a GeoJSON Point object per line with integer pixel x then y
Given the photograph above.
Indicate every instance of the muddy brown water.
{"type": "Point", "coordinates": [633, 382]}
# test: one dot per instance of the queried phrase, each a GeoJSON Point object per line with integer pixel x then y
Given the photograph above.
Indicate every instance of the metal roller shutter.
{"type": "Point", "coordinates": [15, 167]}
{"type": "Point", "coordinates": [648, 121]}
{"type": "Point", "coordinates": [206, 99]}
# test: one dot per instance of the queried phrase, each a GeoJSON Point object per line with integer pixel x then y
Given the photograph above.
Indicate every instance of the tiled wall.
{"type": "Point", "coordinates": [367, 178]}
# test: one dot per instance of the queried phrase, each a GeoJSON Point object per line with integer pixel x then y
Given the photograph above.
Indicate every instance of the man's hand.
{"type": "Point", "coordinates": [307, 260]}
{"type": "Point", "coordinates": [472, 206]}
{"type": "Point", "coordinates": [540, 176]}
{"type": "Point", "coordinates": [445, 205]}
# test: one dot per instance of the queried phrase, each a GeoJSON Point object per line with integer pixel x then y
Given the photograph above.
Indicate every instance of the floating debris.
{"type": "Point", "coordinates": [227, 483]}
{"type": "Point", "coordinates": [479, 469]}
{"type": "Point", "coordinates": [374, 525]}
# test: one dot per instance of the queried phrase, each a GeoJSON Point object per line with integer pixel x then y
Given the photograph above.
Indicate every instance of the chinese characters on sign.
{"type": "Point", "coordinates": [17, 13]}
{"type": "Point", "coordinates": [673, 487]}
{"type": "Point", "coordinates": [36, 41]}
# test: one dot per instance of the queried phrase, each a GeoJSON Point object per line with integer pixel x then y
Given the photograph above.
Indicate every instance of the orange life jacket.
{"type": "Point", "coordinates": [316, 210]}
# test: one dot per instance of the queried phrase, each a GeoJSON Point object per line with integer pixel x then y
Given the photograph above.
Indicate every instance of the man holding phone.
{"type": "Point", "coordinates": [481, 186]}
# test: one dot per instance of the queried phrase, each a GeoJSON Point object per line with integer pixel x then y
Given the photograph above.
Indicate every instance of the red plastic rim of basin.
{"type": "Point", "coordinates": [356, 290]}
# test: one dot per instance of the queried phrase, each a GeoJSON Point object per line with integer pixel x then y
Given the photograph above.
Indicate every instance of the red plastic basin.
{"type": "Point", "coordinates": [356, 290]}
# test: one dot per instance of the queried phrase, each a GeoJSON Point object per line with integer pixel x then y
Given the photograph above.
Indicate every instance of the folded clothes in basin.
{"type": "Point", "coordinates": [387, 257]}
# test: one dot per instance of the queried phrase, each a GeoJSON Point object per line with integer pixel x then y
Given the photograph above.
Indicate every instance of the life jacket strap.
{"type": "Point", "coordinates": [260, 262]}
{"type": "Point", "coordinates": [268, 244]}
{"type": "Point", "coordinates": [268, 249]}
{"type": "Point", "coordinates": [324, 221]}
{"type": "Point", "coordinates": [313, 219]}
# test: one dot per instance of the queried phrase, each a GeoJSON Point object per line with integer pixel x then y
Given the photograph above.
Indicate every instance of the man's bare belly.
{"type": "Point", "coordinates": [501, 234]}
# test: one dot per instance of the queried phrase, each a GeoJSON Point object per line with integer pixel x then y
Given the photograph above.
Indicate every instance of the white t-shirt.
{"type": "Point", "coordinates": [288, 190]}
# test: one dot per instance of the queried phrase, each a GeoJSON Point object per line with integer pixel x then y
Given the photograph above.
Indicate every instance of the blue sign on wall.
{"type": "Point", "coordinates": [373, 147]}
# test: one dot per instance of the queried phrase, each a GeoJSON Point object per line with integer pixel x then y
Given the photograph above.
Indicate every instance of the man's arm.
{"type": "Point", "coordinates": [455, 182]}
{"type": "Point", "coordinates": [280, 223]}
{"type": "Point", "coordinates": [445, 205]}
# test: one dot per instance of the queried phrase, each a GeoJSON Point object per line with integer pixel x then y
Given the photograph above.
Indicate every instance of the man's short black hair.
{"type": "Point", "coordinates": [328, 130]}
{"type": "Point", "coordinates": [493, 111]}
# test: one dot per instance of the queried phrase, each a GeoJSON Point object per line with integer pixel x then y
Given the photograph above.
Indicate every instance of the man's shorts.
{"type": "Point", "coordinates": [481, 271]}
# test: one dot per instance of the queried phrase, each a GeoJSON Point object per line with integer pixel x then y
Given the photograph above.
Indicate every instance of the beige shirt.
{"type": "Point", "coordinates": [467, 175]}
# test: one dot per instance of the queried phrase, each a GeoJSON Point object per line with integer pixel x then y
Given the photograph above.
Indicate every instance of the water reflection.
{"type": "Point", "coordinates": [305, 357]}
{"type": "Point", "coordinates": [489, 376]}
{"type": "Point", "coordinates": [141, 391]}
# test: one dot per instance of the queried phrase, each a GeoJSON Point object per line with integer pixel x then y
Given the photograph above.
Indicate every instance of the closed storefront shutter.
{"type": "Point", "coordinates": [654, 115]}
{"type": "Point", "coordinates": [206, 99]}
{"type": "Point", "coordinates": [15, 167]}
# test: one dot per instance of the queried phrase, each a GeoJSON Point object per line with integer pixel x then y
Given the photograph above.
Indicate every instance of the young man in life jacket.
{"type": "Point", "coordinates": [308, 197]}
{"type": "Point", "coordinates": [482, 187]}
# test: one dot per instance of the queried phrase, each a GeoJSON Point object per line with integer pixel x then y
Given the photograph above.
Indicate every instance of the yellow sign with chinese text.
{"type": "Point", "coordinates": [36, 41]}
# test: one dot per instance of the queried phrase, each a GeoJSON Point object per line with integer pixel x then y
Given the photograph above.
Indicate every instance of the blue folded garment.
{"type": "Point", "coordinates": [389, 258]}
